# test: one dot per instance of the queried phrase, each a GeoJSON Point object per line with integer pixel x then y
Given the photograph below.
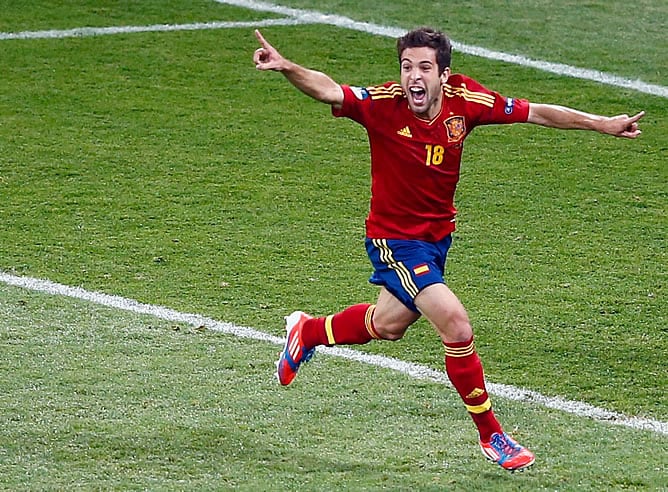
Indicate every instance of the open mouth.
{"type": "Point", "coordinates": [418, 94]}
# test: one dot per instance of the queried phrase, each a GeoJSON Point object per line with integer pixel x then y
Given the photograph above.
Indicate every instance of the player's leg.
{"type": "Point", "coordinates": [449, 318]}
{"type": "Point", "coordinates": [387, 319]}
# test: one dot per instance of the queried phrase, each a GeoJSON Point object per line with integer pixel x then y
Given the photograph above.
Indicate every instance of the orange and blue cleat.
{"type": "Point", "coordinates": [294, 353]}
{"type": "Point", "coordinates": [510, 455]}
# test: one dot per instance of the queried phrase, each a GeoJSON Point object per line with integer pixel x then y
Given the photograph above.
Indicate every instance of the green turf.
{"type": "Point", "coordinates": [99, 399]}
{"type": "Point", "coordinates": [136, 175]}
{"type": "Point", "coordinates": [163, 167]}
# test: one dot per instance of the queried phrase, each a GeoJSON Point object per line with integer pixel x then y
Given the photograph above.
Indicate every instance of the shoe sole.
{"type": "Point", "coordinates": [511, 470]}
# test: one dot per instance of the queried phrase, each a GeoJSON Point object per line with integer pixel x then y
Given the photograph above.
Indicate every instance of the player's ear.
{"type": "Point", "coordinates": [445, 75]}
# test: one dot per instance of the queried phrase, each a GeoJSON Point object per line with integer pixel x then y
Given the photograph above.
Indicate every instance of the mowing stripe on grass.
{"type": "Point", "coordinates": [312, 16]}
{"type": "Point", "coordinates": [413, 370]}
{"type": "Point", "coordinates": [299, 16]}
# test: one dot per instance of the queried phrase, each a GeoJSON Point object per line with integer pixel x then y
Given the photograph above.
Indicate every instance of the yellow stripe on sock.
{"type": "Point", "coordinates": [328, 330]}
{"type": "Point", "coordinates": [480, 408]}
{"type": "Point", "coordinates": [460, 351]}
{"type": "Point", "coordinates": [368, 322]}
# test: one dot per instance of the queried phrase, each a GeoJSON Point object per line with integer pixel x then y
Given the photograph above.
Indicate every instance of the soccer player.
{"type": "Point", "coordinates": [416, 130]}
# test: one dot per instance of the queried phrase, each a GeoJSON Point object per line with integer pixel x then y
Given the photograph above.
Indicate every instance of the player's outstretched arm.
{"type": "Point", "coordinates": [311, 82]}
{"type": "Point", "coordinates": [566, 118]}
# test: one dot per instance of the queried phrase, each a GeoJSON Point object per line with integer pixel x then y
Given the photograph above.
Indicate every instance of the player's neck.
{"type": "Point", "coordinates": [433, 111]}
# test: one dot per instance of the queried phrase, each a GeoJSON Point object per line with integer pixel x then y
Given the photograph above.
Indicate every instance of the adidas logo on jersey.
{"type": "Point", "coordinates": [405, 132]}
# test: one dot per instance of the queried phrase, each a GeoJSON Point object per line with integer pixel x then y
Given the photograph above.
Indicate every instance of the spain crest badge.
{"type": "Point", "coordinates": [456, 128]}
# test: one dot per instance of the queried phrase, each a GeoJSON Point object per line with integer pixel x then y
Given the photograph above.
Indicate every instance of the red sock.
{"type": "Point", "coordinates": [465, 372]}
{"type": "Point", "coordinates": [352, 326]}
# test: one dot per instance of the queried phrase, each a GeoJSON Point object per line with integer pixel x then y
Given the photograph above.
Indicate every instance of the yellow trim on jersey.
{"type": "Point", "coordinates": [382, 92]}
{"type": "Point", "coordinates": [468, 95]}
{"type": "Point", "coordinates": [400, 269]}
{"type": "Point", "coordinates": [480, 408]}
{"type": "Point", "coordinates": [381, 88]}
{"type": "Point", "coordinates": [329, 331]}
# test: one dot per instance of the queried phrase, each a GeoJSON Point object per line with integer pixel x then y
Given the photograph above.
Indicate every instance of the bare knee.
{"type": "Point", "coordinates": [391, 318]}
{"type": "Point", "coordinates": [452, 325]}
{"type": "Point", "coordinates": [390, 333]}
{"type": "Point", "coordinates": [391, 328]}
{"type": "Point", "coordinates": [456, 329]}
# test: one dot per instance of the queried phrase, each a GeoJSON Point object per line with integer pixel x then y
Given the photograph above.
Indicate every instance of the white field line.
{"type": "Point", "coordinates": [102, 31]}
{"type": "Point", "coordinates": [415, 371]}
{"type": "Point", "coordinates": [311, 16]}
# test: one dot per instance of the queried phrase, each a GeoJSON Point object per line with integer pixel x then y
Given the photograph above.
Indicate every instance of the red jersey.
{"type": "Point", "coordinates": [415, 163]}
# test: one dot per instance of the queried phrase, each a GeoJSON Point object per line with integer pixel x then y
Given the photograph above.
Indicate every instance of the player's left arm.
{"type": "Point", "coordinates": [562, 117]}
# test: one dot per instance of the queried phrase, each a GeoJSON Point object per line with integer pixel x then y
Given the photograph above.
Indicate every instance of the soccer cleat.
{"type": "Point", "coordinates": [294, 353]}
{"type": "Point", "coordinates": [510, 455]}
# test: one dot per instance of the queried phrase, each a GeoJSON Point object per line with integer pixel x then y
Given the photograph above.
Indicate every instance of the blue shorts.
{"type": "Point", "coordinates": [405, 267]}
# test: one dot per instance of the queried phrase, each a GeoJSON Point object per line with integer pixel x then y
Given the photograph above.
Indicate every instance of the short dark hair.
{"type": "Point", "coordinates": [430, 38]}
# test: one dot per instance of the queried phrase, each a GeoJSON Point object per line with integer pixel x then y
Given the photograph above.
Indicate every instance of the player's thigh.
{"type": "Point", "coordinates": [445, 312]}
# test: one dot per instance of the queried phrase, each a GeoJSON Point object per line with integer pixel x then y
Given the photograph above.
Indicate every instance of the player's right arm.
{"type": "Point", "coordinates": [311, 82]}
{"type": "Point", "coordinates": [554, 116]}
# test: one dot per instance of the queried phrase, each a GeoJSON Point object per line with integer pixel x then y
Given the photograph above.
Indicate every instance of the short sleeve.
{"type": "Point", "coordinates": [355, 103]}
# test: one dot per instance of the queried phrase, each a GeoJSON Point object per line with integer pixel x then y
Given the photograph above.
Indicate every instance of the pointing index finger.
{"type": "Point", "coordinates": [261, 39]}
{"type": "Point", "coordinates": [637, 117]}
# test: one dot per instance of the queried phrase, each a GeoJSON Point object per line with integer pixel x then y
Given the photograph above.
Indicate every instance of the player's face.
{"type": "Point", "coordinates": [421, 81]}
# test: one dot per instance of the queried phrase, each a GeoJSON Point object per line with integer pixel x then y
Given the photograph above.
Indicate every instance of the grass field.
{"type": "Point", "coordinates": [162, 167]}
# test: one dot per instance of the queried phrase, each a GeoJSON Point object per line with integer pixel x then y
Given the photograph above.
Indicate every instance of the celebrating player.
{"type": "Point", "coordinates": [416, 130]}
